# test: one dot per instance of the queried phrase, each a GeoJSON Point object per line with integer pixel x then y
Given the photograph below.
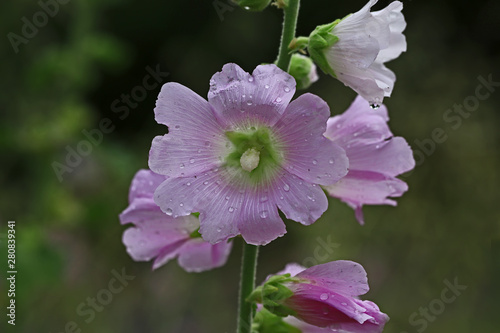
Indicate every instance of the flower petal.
{"type": "Point", "coordinates": [238, 97]}
{"type": "Point", "coordinates": [260, 222]}
{"type": "Point", "coordinates": [308, 154]}
{"type": "Point", "coordinates": [195, 140]}
{"type": "Point", "coordinates": [197, 255]}
{"type": "Point", "coordinates": [343, 276]}
{"type": "Point", "coordinates": [359, 188]}
{"type": "Point", "coordinates": [144, 184]}
{"type": "Point", "coordinates": [215, 194]}
{"type": "Point", "coordinates": [397, 42]}
{"type": "Point", "coordinates": [299, 200]}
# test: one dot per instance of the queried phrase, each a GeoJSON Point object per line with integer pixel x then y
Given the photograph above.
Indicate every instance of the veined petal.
{"type": "Point", "coordinates": [197, 255]}
{"type": "Point", "coordinates": [216, 194]}
{"type": "Point", "coordinates": [195, 140]}
{"type": "Point", "coordinates": [344, 276]}
{"type": "Point", "coordinates": [260, 222]}
{"type": "Point", "coordinates": [299, 200]}
{"type": "Point", "coordinates": [239, 98]}
{"type": "Point", "coordinates": [392, 16]}
{"type": "Point", "coordinates": [144, 184]}
{"type": "Point", "coordinates": [307, 153]}
{"type": "Point", "coordinates": [177, 158]}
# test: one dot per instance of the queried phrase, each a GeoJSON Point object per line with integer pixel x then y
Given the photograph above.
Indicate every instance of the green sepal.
{"type": "Point", "coordinates": [319, 40]}
{"type": "Point", "coordinates": [195, 234]}
{"type": "Point", "coordinates": [253, 5]}
{"type": "Point", "coordinates": [266, 322]}
{"type": "Point", "coordinates": [273, 293]}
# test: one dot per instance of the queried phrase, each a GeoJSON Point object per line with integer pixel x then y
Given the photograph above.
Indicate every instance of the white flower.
{"type": "Point", "coordinates": [355, 49]}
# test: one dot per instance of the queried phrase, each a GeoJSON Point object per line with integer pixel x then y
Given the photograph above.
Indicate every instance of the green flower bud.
{"type": "Point", "coordinates": [253, 5]}
{"type": "Point", "coordinates": [303, 70]}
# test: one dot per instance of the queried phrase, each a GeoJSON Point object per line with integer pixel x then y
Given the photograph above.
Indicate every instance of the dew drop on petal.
{"type": "Point", "coordinates": [264, 214]}
{"type": "Point", "coordinates": [377, 147]}
{"type": "Point", "coordinates": [181, 166]}
{"type": "Point", "coordinates": [219, 229]}
{"type": "Point", "coordinates": [168, 211]}
{"type": "Point", "coordinates": [188, 184]}
{"type": "Point", "coordinates": [249, 102]}
{"type": "Point", "coordinates": [286, 188]}
{"type": "Point", "coordinates": [315, 162]}
{"type": "Point", "coordinates": [331, 161]}
{"type": "Point", "coordinates": [205, 182]}
{"type": "Point", "coordinates": [344, 304]}
{"type": "Point", "coordinates": [207, 143]}
{"type": "Point", "coordinates": [286, 89]}
{"type": "Point", "coordinates": [181, 204]}
{"type": "Point", "coordinates": [323, 297]}
{"type": "Point", "coordinates": [278, 100]}
{"type": "Point", "coordinates": [266, 86]}
{"type": "Point", "coordinates": [231, 209]}
{"type": "Point", "coordinates": [227, 197]}
{"type": "Point", "coordinates": [374, 106]}
{"type": "Point", "coordinates": [263, 198]}
{"type": "Point", "coordinates": [250, 79]}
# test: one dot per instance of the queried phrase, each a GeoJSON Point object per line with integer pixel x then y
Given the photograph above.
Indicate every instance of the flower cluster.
{"type": "Point", "coordinates": [230, 164]}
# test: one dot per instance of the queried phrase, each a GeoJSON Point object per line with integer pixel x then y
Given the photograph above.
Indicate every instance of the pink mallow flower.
{"type": "Point", "coordinates": [244, 154]}
{"type": "Point", "coordinates": [376, 157]}
{"type": "Point", "coordinates": [157, 235]}
{"type": "Point", "coordinates": [324, 298]}
{"type": "Point", "coordinates": [355, 48]}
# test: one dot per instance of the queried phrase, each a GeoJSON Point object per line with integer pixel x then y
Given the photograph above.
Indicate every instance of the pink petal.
{"type": "Point", "coordinates": [308, 154]}
{"type": "Point", "coordinates": [197, 255]}
{"type": "Point", "coordinates": [322, 307]}
{"type": "Point", "coordinates": [342, 276]}
{"type": "Point", "coordinates": [205, 193]}
{"type": "Point", "coordinates": [366, 187]}
{"type": "Point", "coordinates": [299, 200]}
{"type": "Point", "coordinates": [259, 222]}
{"type": "Point", "coordinates": [144, 184]}
{"type": "Point", "coordinates": [238, 97]}
{"type": "Point", "coordinates": [195, 140]}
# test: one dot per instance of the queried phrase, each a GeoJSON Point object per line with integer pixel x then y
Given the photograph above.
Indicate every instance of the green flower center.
{"type": "Point", "coordinates": [255, 152]}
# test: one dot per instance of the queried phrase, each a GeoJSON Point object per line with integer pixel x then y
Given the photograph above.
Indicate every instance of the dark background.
{"type": "Point", "coordinates": [65, 78]}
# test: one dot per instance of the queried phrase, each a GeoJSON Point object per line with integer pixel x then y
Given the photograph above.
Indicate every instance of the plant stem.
{"type": "Point", "coordinates": [288, 33]}
{"type": "Point", "coordinates": [247, 285]}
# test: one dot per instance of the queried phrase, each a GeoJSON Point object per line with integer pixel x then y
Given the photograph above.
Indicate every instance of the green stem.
{"type": "Point", "coordinates": [288, 33]}
{"type": "Point", "coordinates": [248, 269]}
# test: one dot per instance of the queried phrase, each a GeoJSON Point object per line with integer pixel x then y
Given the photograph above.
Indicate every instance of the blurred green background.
{"type": "Point", "coordinates": [65, 77]}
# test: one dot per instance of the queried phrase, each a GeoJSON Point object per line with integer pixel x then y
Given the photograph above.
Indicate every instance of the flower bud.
{"type": "Point", "coordinates": [303, 70]}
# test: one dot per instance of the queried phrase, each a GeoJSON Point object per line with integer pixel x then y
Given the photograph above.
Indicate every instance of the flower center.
{"type": "Point", "coordinates": [254, 151]}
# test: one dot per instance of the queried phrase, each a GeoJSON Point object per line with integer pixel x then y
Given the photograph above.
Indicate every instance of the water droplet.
{"type": "Point", "coordinates": [374, 106]}
{"type": "Point", "coordinates": [181, 204]}
{"type": "Point", "coordinates": [227, 197]}
{"type": "Point", "coordinates": [311, 198]}
{"type": "Point", "coordinates": [207, 143]}
{"type": "Point", "coordinates": [377, 147]}
{"type": "Point", "coordinates": [356, 134]}
{"type": "Point", "coordinates": [181, 166]}
{"type": "Point", "coordinates": [191, 160]}
{"type": "Point", "coordinates": [168, 211]}
{"type": "Point", "coordinates": [266, 86]}
{"type": "Point", "coordinates": [331, 161]}
{"type": "Point", "coordinates": [250, 79]}
{"type": "Point", "coordinates": [177, 126]}
{"type": "Point", "coordinates": [264, 214]}
{"type": "Point", "coordinates": [286, 188]}
{"type": "Point", "coordinates": [199, 151]}
{"type": "Point", "coordinates": [205, 182]}
{"type": "Point", "coordinates": [278, 100]}
{"type": "Point", "coordinates": [287, 89]}
{"type": "Point", "coordinates": [231, 209]}
{"type": "Point", "coordinates": [315, 162]}
{"type": "Point", "coordinates": [263, 198]}
{"type": "Point", "coordinates": [249, 102]}
{"type": "Point", "coordinates": [188, 184]}
{"type": "Point", "coordinates": [339, 125]}
{"type": "Point", "coordinates": [323, 297]}
{"type": "Point", "coordinates": [344, 304]}
{"type": "Point", "coordinates": [219, 229]}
